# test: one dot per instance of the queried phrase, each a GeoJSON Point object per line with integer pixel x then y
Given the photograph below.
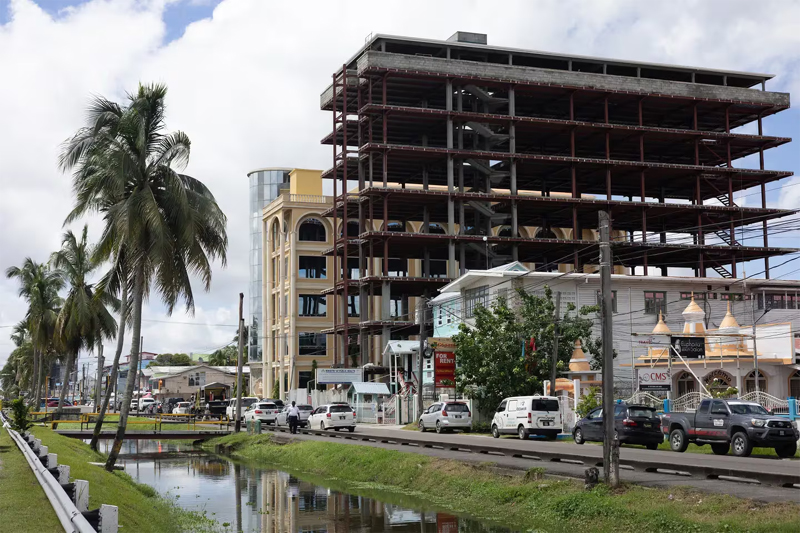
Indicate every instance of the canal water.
{"type": "Point", "coordinates": [245, 498]}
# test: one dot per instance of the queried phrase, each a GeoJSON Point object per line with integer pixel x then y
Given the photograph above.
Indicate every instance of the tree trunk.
{"type": "Point", "coordinates": [70, 362]}
{"type": "Point", "coordinates": [114, 369]}
{"type": "Point", "coordinates": [34, 385]}
{"type": "Point", "coordinates": [133, 368]}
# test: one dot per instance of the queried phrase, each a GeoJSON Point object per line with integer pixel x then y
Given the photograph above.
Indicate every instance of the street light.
{"type": "Point", "coordinates": [486, 243]}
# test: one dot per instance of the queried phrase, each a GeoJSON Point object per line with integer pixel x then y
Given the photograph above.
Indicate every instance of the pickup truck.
{"type": "Point", "coordinates": [730, 423]}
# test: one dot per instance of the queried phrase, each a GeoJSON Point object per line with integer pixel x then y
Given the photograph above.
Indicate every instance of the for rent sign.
{"type": "Point", "coordinates": [444, 368]}
{"type": "Point", "coordinates": [651, 379]}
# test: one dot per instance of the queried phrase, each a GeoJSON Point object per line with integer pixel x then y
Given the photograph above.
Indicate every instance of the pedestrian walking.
{"type": "Point", "coordinates": [294, 416]}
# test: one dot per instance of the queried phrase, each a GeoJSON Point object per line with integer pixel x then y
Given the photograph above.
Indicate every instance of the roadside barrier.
{"type": "Point", "coordinates": [70, 501]}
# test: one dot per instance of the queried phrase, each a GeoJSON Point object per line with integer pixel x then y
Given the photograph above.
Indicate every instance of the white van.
{"type": "Point", "coordinates": [247, 401]}
{"type": "Point", "coordinates": [526, 416]}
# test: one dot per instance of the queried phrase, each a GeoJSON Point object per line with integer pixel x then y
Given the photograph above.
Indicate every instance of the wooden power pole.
{"type": "Point", "coordinates": [239, 363]}
{"type": "Point", "coordinates": [554, 358]}
{"type": "Point", "coordinates": [423, 303]}
{"type": "Point", "coordinates": [610, 445]}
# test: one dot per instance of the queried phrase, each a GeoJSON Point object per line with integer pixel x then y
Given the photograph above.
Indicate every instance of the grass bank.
{"type": "Point", "coordinates": [141, 508]}
{"type": "Point", "coordinates": [525, 503]}
{"type": "Point", "coordinates": [21, 496]}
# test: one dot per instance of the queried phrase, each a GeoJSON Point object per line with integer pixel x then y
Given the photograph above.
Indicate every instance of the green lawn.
{"type": "Point", "coordinates": [519, 502]}
{"type": "Point", "coordinates": [140, 507]}
{"type": "Point", "coordinates": [21, 496]}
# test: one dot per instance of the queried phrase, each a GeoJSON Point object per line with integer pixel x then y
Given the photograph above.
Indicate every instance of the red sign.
{"type": "Point", "coordinates": [446, 523]}
{"type": "Point", "coordinates": [444, 369]}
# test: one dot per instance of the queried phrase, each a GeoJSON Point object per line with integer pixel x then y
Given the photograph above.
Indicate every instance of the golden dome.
{"type": "Point", "coordinates": [578, 362]}
{"type": "Point", "coordinates": [661, 327]}
{"type": "Point", "coordinates": [693, 308]}
{"type": "Point", "coordinates": [729, 322]}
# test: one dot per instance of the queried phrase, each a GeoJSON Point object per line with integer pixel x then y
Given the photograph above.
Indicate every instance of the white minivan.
{"type": "Point", "coordinates": [247, 401]}
{"type": "Point", "coordinates": [526, 416]}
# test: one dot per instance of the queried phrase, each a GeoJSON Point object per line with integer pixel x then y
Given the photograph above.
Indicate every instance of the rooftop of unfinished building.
{"type": "Point", "coordinates": [477, 44]}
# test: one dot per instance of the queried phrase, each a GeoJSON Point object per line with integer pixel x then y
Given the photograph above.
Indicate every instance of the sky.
{"type": "Point", "coordinates": [244, 81]}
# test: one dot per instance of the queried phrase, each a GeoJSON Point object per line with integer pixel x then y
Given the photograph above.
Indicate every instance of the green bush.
{"type": "Point", "coordinates": [19, 416]}
{"type": "Point", "coordinates": [588, 403]}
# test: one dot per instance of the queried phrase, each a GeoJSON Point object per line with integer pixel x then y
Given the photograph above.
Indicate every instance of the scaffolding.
{"type": "Point", "coordinates": [474, 142]}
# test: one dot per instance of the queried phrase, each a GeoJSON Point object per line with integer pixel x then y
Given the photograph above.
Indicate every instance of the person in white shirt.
{"type": "Point", "coordinates": [294, 416]}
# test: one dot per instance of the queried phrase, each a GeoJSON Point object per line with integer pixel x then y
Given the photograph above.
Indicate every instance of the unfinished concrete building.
{"type": "Point", "coordinates": [652, 144]}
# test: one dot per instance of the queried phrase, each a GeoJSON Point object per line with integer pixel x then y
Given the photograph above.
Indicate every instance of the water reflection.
{"type": "Point", "coordinates": [270, 501]}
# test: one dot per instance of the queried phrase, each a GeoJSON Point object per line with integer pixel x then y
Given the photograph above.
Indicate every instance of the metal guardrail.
{"type": "Point", "coordinates": [785, 478]}
{"type": "Point", "coordinates": [72, 519]}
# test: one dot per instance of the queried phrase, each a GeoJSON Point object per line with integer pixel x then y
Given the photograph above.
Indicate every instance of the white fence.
{"type": "Point", "coordinates": [771, 403]}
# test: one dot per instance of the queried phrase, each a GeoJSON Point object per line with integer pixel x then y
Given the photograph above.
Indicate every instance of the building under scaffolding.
{"type": "Point", "coordinates": [464, 128]}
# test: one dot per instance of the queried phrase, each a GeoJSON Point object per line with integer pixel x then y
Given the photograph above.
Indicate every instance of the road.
{"type": "Point", "coordinates": [569, 459]}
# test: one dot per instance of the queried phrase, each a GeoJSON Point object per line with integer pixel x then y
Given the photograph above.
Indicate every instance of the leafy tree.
{"type": "Point", "coordinates": [173, 359]}
{"type": "Point", "coordinates": [84, 320]}
{"type": "Point", "coordinates": [226, 356]}
{"type": "Point", "coordinates": [39, 286]}
{"type": "Point", "coordinates": [124, 167]}
{"type": "Point", "coordinates": [19, 416]}
{"type": "Point", "coordinates": [588, 402]}
{"type": "Point", "coordinates": [494, 358]}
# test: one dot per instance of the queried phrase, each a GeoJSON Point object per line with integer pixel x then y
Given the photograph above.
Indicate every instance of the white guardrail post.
{"type": "Point", "coordinates": [70, 501]}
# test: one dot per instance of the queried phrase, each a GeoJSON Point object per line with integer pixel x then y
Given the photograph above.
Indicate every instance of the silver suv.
{"type": "Point", "coordinates": [446, 416]}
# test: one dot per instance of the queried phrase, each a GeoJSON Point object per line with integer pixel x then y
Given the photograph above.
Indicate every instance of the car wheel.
{"type": "Point", "coordinates": [652, 446]}
{"type": "Point", "coordinates": [438, 427]}
{"type": "Point", "coordinates": [678, 441]}
{"type": "Point", "coordinates": [786, 450]}
{"type": "Point", "coordinates": [351, 429]}
{"type": "Point", "coordinates": [322, 426]}
{"type": "Point", "coordinates": [495, 431]}
{"type": "Point", "coordinates": [721, 448]}
{"type": "Point", "coordinates": [523, 433]}
{"type": "Point", "coordinates": [578, 436]}
{"type": "Point", "coordinates": [741, 444]}
{"type": "Point", "coordinates": [467, 430]}
{"type": "Point", "coordinates": [336, 429]}
{"type": "Point", "coordinates": [421, 426]}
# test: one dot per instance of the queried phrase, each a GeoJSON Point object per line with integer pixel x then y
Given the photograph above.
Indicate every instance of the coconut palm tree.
{"type": "Point", "coordinates": [124, 167]}
{"type": "Point", "coordinates": [17, 372]}
{"type": "Point", "coordinates": [84, 320]}
{"type": "Point", "coordinates": [39, 286]}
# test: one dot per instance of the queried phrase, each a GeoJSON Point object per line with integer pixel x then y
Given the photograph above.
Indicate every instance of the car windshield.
{"type": "Point", "coordinates": [267, 406]}
{"type": "Point", "coordinates": [305, 407]}
{"type": "Point", "coordinates": [340, 409]}
{"type": "Point", "coordinates": [747, 409]}
{"type": "Point", "coordinates": [544, 405]}
{"type": "Point", "coordinates": [457, 407]}
{"type": "Point", "coordinates": [246, 402]}
{"type": "Point", "coordinates": [642, 411]}
{"type": "Point", "coordinates": [183, 404]}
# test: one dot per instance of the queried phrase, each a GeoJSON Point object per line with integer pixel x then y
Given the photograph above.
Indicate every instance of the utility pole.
{"type": "Point", "coordinates": [556, 334]}
{"type": "Point", "coordinates": [239, 367]}
{"type": "Point", "coordinates": [83, 383]}
{"type": "Point", "coordinates": [99, 385]}
{"type": "Point", "coordinates": [610, 444]}
{"type": "Point", "coordinates": [423, 303]}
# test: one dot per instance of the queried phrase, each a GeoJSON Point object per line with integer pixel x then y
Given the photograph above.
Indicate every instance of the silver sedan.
{"type": "Point", "coordinates": [283, 418]}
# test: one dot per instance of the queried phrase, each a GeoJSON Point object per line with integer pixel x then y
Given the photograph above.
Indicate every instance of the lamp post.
{"type": "Point", "coordinates": [486, 243]}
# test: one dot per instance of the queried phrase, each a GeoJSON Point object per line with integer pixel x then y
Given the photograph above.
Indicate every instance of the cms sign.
{"type": "Point", "coordinates": [654, 380]}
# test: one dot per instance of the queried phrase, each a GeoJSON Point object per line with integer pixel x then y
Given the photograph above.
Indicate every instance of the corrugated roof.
{"type": "Point", "coordinates": [369, 387]}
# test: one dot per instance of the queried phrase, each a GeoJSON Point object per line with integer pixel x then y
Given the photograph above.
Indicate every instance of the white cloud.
{"type": "Point", "coordinates": [245, 86]}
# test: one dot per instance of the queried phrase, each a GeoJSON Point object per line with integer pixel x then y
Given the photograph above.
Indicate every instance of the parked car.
{"type": "Point", "coordinates": [336, 416]}
{"type": "Point", "coordinates": [247, 401]}
{"type": "Point", "coordinates": [526, 416]}
{"type": "Point", "coordinates": [283, 417]}
{"type": "Point", "coordinates": [277, 402]}
{"type": "Point", "coordinates": [267, 412]}
{"type": "Point", "coordinates": [633, 424]}
{"type": "Point", "coordinates": [182, 408]}
{"type": "Point", "coordinates": [170, 403]}
{"type": "Point", "coordinates": [53, 402]}
{"type": "Point", "coordinates": [145, 403]}
{"type": "Point", "coordinates": [446, 416]}
{"type": "Point", "coordinates": [726, 424]}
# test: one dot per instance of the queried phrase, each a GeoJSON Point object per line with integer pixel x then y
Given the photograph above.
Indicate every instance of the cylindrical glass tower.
{"type": "Point", "coordinates": [265, 185]}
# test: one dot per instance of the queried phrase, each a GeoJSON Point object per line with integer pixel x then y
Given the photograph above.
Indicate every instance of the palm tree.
{"type": "Point", "coordinates": [170, 223]}
{"type": "Point", "coordinates": [84, 320]}
{"type": "Point", "coordinates": [17, 372]}
{"type": "Point", "coordinates": [39, 286]}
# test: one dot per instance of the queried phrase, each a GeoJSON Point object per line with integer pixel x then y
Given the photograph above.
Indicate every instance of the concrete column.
{"type": "Point", "coordinates": [294, 267]}
{"type": "Point", "coordinates": [280, 330]}
{"type": "Point", "coordinates": [266, 304]}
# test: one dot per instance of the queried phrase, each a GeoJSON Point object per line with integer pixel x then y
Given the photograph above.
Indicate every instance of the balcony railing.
{"type": "Point", "coordinates": [305, 198]}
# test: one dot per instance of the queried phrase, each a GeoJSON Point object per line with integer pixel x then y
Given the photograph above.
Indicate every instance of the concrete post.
{"type": "Point", "coordinates": [109, 519]}
{"type": "Point", "coordinates": [793, 409]}
{"type": "Point", "coordinates": [82, 495]}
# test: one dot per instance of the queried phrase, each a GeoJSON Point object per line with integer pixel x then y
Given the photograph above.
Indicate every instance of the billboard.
{"type": "Point", "coordinates": [689, 347]}
{"type": "Point", "coordinates": [654, 380]}
{"type": "Point", "coordinates": [339, 375]}
{"type": "Point", "coordinates": [444, 368]}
